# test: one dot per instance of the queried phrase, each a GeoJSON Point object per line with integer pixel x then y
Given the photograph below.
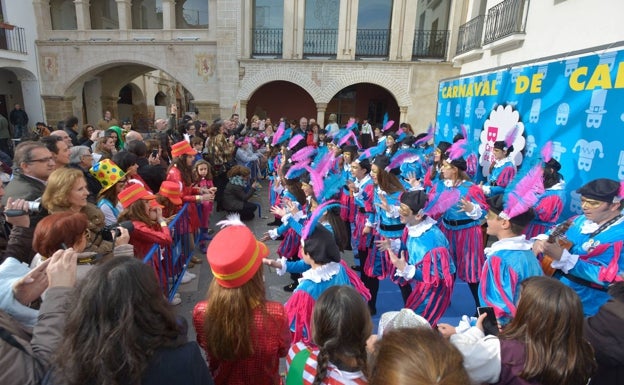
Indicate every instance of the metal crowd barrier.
{"type": "Point", "coordinates": [171, 261]}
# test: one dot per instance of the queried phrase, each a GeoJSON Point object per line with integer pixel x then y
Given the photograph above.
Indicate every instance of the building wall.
{"type": "Point", "coordinates": [556, 27]}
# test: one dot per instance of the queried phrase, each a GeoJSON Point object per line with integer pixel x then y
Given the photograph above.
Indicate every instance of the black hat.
{"type": "Point", "coordinates": [458, 137]}
{"type": "Point", "coordinates": [381, 161]}
{"type": "Point", "coordinates": [501, 145]}
{"type": "Point", "coordinates": [415, 200]}
{"type": "Point", "coordinates": [460, 163]}
{"type": "Point", "coordinates": [365, 164]}
{"type": "Point", "coordinates": [40, 124]}
{"type": "Point", "coordinates": [126, 121]}
{"type": "Point", "coordinates": [603, 189]}
{"type": "Point", "coordinates": [350, 148]}
{"type": "Point", "coordinates": [496, 206]}
{"type": "Point", "coordinates": [321, 245]}
{"type": "Point", "coordinates": [444, 146]}
{"type": "Point", "coordinates": [408, 141]}
{"type": "Point", "coordinates": [552, 163]}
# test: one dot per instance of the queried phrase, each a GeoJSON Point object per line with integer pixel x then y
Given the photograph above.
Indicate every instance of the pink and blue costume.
{"type": "Point", "coordinates": [547, 210]}
{"type": "Point", "coordinates": [429, 269]}
{"type": "Point", "coordinates": [501, 174]}
{"type": "Point", "coordinates": [509, 261]}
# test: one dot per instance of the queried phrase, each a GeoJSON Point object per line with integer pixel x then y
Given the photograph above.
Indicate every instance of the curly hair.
{"type": "Point", "coordinates": [341, 325]}
{"type": "Point", "coordinates": [120, 319]}
{"type": "Point", "coordinates": [59, 184]}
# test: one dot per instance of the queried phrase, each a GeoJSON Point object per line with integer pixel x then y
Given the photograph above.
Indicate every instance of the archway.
{"type": "Point", "coordinates": [364, 101]}
{"type": "Point", "coordinates": [281, 99]}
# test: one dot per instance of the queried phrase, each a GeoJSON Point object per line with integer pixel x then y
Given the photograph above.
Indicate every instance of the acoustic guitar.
{"type": "Point", "coordinates": [557, 236]}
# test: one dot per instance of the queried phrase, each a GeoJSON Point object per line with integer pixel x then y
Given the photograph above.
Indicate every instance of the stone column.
{"type": "Point", "coordinates": [321, 108]}
{"type": "Point", "coordinates": [93, 100]}
{"type": "Point", "coordinates": [402, 114]}
{"type": "Point", "coordinates": [347, 29]}
{"type": "Point", "coordinates": [32, 100]}
{"type": "Point", "coordinates": [42, 15]}
{"type": "Point", "coordinates": [57, 108]}
{"type": "Point", "coordinates": [168, 14]}
{"type": "Point", "coordinates": [288, 29]}
{"type": "Point", "coordinates": [242, 111]}
{"type": "Point", "coordinates": [403, 25]}
{"type": "Point", "coordinates": [124, 12]}
{"type": "Point", "coordinates": [208, 110]}
{"type": "Point", "coordinates": [83, 16]}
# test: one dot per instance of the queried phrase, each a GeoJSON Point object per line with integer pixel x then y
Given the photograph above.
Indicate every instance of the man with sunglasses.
{"type": "Point", "coordinates": [595, 258]}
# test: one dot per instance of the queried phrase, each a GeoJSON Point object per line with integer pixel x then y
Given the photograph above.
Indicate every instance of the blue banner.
{"type": "Point", "coordinates": [577, 103]}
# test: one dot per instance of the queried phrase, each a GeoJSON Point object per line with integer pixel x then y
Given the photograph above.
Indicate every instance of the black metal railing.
{"type": "Point", "coordinates": [267, 41]}
{"type": "Point", "coordinates": [430, 44]}
{"type": "Point", "coordinates": [470, 35]}
{"type": "Point", "coordinates": [12, 38]}
{"type": "Point", "coordinates": [321, 42]}
{"type": "Point", "coordinates": [504, 19]}
{"type": "Point", "coordinates": [372, 42]}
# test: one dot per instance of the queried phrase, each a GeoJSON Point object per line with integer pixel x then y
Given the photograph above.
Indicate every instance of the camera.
{"type": "Point", "coordinates": [110, 232]}
{"type": "Point", "coordinates": [33, 207]}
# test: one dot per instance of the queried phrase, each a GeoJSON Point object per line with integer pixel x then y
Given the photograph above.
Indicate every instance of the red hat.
{"type": "Point", "coordinates": [133, 193]}
{"type": "Point", "coordinates": [181, 148]}
{"type": "Point", "coordinates": [172, 191]}
{"type": "Point", "coordinates": [234, 254]}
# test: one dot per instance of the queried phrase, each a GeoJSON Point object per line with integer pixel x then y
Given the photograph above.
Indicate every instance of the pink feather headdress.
{"type": "Point", "coordinates": [523, 193]}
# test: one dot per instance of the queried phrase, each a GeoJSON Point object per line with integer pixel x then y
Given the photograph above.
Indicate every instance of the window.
{"type": "Point", "coordinates": [191, 14]}
{"type": "Point", "coordinates": [321, 27]}
{"type": "Point", "coordinates": [63, 14]}
{"type": "Point", "coordinates": [267, 27]}
{"type": "Point", "coordinates": [147, 14]}
{"type": "Point", "coordinates": [373, 28]}
{"type": "Point", "coordinates": [104, 14]}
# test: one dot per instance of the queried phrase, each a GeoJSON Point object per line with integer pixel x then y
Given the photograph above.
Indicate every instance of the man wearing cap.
{"type": "Point", "coordinates": [508, 261]}
{"type": "Point", "coordinates": [107, 121]}
{"type": "Point", "coordinates": [594, 260]}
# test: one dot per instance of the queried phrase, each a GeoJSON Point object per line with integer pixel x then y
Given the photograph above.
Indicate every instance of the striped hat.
{"type": "Point", "coordinates": [181, 148]}
{"type": "Point", "coordinates": [172, 191]}
{"type": "Point", "coordinates": [133, 193]}
{"type": "Point", "coordinates": [107, 173]}
{"type": "Point", "coordinates": [234, 263]}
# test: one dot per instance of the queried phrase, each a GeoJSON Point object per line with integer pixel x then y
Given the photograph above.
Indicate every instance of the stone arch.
{"type": "Point", "coordinates": [397, 90]}
{"type": "Point", "coordinates": [276, 74]}
{"type": "Point", "coordinates": [137, 67]}
{"type": "Point", "coordinates": [21, 73]}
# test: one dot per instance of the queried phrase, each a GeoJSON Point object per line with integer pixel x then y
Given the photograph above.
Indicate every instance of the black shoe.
{"type": "Point", "coordinates": [356, 268]}
{"type": "Point", "coordinates": [291, 287]}
{"type": "Point", "coordinates": [274, 223]}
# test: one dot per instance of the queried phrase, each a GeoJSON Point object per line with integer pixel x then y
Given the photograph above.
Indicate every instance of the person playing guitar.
{"type": "Point", "coordinates": [594, 259]}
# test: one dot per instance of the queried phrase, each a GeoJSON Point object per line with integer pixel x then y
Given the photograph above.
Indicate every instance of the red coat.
{"type": "Point", "coordinates": [143, 237]}
{"type": "Point", "coordinates": [188, 195]}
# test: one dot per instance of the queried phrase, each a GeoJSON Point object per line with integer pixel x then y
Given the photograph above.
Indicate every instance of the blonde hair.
{"type": "Point", "coordinates": [58, 187]}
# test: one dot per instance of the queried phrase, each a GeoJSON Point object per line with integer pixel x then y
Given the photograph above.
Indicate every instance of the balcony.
{"type": "Point", "coordinates": [267, 42]}
{"type": "Point", "coordinates": [372, 43]}
{"type": "Point", "coordinates": [12, 38]}
{"type": "Point", "coordinates": [430, 45]}
{"type": "Point", "coordinates": [505, 24]}
{"type": "Point", "coordinates": [320, 42]}
{"type": "Point", "coordinates": [469, 35]}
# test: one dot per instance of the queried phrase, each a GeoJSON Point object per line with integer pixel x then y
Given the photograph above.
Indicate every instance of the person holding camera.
{"type": "Point", "coordinates": [67, 190]}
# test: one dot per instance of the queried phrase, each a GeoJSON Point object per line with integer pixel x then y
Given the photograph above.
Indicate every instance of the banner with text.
{"type": "Point", "coordinates": [577, 103]}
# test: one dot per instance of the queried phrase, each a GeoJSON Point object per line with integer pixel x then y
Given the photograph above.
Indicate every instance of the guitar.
{"type": "Point", "coordinates": [557, 236]}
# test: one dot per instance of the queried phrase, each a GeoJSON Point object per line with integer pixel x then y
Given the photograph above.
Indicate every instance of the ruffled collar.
{"type": "Point", "coordinates": [502, 162]}
{"type": "Point", "coordinates": [361, 182]}
{"type": "Point", "coordinates": [418, 229]}
{"type": "Point", "coordinates": [321, 273]}
{"type": "Point", "coordinates": [558, 186]}
{"type": "Point", "coordinates": [590, 226]}
{"type": "Point", "coordinates": [513, 243]}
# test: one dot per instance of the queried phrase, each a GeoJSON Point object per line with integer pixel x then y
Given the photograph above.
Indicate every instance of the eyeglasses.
{"type": "Point", "coordinates": [590, 203]}
{"type": "Point", "coordinates": [89, 155]}
{"type": "Point", "coordinates": [42, 160]}
{"type": "Point", "coordinates": [446, 165]}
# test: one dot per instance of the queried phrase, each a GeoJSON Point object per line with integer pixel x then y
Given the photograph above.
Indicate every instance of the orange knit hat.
{"type": "Point", "coordinates": [234, 254]}
{"type": "Point", "coordinates": [182, 148]}
{"type": "Point", "coordinates": [133, 193]}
